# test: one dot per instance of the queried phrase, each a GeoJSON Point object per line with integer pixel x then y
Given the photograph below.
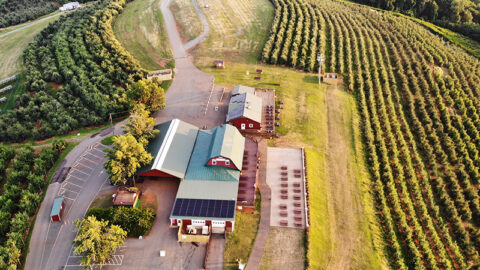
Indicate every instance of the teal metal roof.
{"type": "Point", "coordinates": [57, 206]}
{"type": "Point", "coordinates": [240, 89]}
{"type": "Point", "coordinates": [197, 169]}
{"type": "Point", "coordinates": [245, 105]}
{"type": "Point", "coordinates": [208, 189]}
{"type": "Point", "coordinates": [171, 148]}
{"type": "Point", "coordinates": [228, 143]}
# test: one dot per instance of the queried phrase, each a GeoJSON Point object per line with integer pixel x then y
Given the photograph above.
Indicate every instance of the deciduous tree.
{"type": "Point", "coordinates": [141, 125]}
{"type": "Point", "coordinates": [125, 158]}
{"type": "Point", "coordinates": [147, 92]}
{"type": "Point", "coordinates": [96, 241]}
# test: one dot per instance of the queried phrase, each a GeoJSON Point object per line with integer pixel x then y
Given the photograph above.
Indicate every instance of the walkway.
{"type": "Point", "coordinates": [206, 28]}
{"type": "Point", "coordinates": [215, 251]}
{"type": "Point", "coordinates": [264, 227]}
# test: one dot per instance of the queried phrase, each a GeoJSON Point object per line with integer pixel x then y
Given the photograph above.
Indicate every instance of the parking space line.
{"type": "Point", "coordinates": [70, 175]}
{"type": "Point", "coordinates": [73, 184]}
{"type": "Point", "coordinates": [76, 170]}
{"type": "Point", "coordinates": [88, 159]}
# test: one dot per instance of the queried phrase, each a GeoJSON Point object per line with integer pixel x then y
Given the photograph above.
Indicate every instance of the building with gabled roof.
{"type": "Point", "coordinates": [208, 164]}
{"type": "Point", "coordinates": [242, 89]}
{"type": "Point", "coordinates": [171, 148]}
{"type": "Point", "coordinates": [245, 112]}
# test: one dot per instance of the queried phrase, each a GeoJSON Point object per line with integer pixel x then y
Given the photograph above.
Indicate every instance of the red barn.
{"type": "Point", "coordinates": [245, 111]}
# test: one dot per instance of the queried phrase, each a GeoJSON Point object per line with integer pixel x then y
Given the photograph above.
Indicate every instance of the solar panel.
{"type": "Point", "coordinates": [204, 208]}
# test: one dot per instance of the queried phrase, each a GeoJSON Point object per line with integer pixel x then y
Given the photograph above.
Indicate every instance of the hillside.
{"type": "Point", "coordinates": [418, 99]}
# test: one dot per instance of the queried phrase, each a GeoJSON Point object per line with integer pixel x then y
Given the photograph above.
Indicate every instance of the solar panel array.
{"type": "Point", "coordinates": [204, 208]}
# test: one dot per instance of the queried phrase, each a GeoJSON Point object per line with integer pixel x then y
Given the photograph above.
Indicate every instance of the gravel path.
{"type": "Point", "coordinates": [206, 28]}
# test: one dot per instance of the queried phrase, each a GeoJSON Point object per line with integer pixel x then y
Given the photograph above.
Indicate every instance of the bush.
{"type": "Point", "coordinates": [133, 220]}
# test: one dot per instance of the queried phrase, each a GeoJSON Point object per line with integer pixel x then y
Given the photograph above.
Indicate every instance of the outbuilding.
{"type": "Point", "coordinates": [127, 197]}
{"type": "Point", "coordinates": [57, 209]}
{"type": "Point", "coordinates": [241, 89]}
{"type": "Point", "coordinates": [245, 112]}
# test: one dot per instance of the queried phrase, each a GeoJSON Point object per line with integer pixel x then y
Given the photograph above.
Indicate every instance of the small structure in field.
{"type": "Point", "coordinates": [57, 209]}
{"type": "Point", "coordinates": [219, 63]}
{"type": "Point", "coordinates": [245, 111]}
{"type": "Point", "coordinates": [162, 75]}
{"type": "Point", "coordinates": [70, 6]}
{"type": "Point", "coordinates": [126, 196]}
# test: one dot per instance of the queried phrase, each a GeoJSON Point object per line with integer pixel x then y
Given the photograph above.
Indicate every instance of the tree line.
{"type": "Point", "coordinates": [76, 75]}
{"type": "Point", "coordinates": [25, 180]}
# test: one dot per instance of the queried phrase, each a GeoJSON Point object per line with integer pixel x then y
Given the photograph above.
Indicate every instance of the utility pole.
{"type": "Point", "coordinates": [320, 59]}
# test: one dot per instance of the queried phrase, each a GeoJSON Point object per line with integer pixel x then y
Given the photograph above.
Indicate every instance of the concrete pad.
{"type": "Point", "coordinates": [288, 202]}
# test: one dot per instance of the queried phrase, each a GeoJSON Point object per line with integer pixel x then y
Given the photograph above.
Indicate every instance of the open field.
{"type": "Point", "coordinates": [188, 21]}
{"type": "Point", "coordinates": [13, 45]}
{"type": "Point", "coordinates": [238, 29]}
{"type": "Point", "coordinates": [141, 30]}
{"type": "Point", "coordinates": [284, 249]}
{"type": "Point", "coordinates": [311, 116]}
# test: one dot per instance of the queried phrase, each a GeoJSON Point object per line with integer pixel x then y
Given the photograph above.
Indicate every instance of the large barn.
{"type": "Point", "coordinates": [208, 164]}
{"type": "Point", "coordinates": [245, 111]}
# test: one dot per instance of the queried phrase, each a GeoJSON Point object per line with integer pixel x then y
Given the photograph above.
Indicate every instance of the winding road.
{"type": "Point", "coordinates": [188, 98]}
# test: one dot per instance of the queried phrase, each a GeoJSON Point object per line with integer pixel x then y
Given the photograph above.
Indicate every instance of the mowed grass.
{"type": "Point", "coordinates": [284, 249]}
{"type": "Point", "coordinates": [188, 22]}
{"type": "Point", "coordinates": [239, 243]}
{"type": "Point", "coordinates": [141, 30]}
{"type": "Point", "coordinates": [238, 30]}
{"type": "Point", "coordinates": [12, 46]}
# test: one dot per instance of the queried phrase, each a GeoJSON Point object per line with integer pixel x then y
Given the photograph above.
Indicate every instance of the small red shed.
{"type": "Point", "coordinates": [57, 209]}
{"type": "Point", "coordinates": [219, 64]}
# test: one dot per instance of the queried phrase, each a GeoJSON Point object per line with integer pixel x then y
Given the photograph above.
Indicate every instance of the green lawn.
{"type": "Point", "coordinates": [141, 30]}
{"type": "Point", "coordinates": [13, 45]}
{"type": "Point", "coordinates": [108, 140]}
{"type": "Point", "coordinates": [239, 243]}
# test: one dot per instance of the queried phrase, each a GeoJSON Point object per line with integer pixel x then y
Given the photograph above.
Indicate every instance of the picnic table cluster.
{"type": "Point", "coordinates": [284, 195]}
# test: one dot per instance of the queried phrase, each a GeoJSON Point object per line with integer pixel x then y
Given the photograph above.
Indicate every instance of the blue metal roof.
{"type": "Point", "coordinates": [197, 169]}
{"type": "Point", "coordinates": [57, 206]}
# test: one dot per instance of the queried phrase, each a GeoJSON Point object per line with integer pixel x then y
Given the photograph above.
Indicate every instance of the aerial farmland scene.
{"type": "Point", "coordinates": [239, 134]}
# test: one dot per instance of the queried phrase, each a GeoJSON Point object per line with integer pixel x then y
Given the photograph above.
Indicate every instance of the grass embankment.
{"type": "Point", "coordinates": [238, 30]}
{"type": "Point", "coordinates": [188, 21]}
{"type": "Point", "coordinates": [326, 124]}
{"type": "Point", "coordinates": [240, 242]}
{"type": "Point", "coordinates": [141, 31]}
{"type": "Point", "coordinates": [12, 45]}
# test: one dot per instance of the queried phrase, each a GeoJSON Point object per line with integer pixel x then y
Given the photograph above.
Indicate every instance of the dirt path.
{"type": "Point", "coordinates": [206, 28]}
{"type": "Point", "coordinates": [344, 203]}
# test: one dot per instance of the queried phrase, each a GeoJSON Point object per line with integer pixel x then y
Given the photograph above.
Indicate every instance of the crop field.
{"type": "Point", "coordinates": [418, 100]}
{"type": "Point", "coordinates": [188, 21]}
{"type": "Point", "coordinates": [13, 45]}
{"type": "Point", "coordinates": [141, 31]}
{"type": "Point", "coordinates": [237, 30]}
{"type": "Point", "coordinates": [326, 122]}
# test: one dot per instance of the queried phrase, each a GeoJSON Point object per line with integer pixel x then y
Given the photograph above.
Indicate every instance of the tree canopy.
{"type": "Point", "coordinates": [96, 241]}
{"type": "Point", "coordinates": [147, 92]}
{"type": "Point", "coordinates": [125, 158]}
{"type": "Point", "coordinates": [141, 125]}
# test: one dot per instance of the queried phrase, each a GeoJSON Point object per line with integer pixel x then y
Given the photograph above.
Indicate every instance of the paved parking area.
{"type": "Point", "coordinates": [73, 261]}
{"type": "Point", "coordinates": [285, 176]}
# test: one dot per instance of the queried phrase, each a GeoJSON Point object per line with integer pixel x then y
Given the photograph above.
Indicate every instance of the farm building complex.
{"type": "Point", "coordinates": [208, 164]}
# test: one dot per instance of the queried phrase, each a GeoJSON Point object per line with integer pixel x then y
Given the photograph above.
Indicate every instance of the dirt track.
{"type": "Point", "coordinates": [344, 206]}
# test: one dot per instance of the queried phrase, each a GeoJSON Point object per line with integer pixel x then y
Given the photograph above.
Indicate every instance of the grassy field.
{"type": "Point", "coordinates": [13, 45]}
{"type": "Point", "coordinates": [276, 256]}
{"type": "Point", "coordinates": [141, 30]}
{"type": "Point", "coordinates": [238, 30]}
{"type": "Point", "coordinates": [323, 119]}
{"type": "Point", "coordinates": [240, 242]}
{"type": "Point", "coordinates": [188, 21]}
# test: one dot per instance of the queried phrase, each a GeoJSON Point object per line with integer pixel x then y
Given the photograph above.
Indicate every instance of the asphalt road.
{"type": "Point", "coordinates": [191, 97]}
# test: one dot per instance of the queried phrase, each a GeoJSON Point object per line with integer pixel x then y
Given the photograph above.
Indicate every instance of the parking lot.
{"type": "Point", "coordinates": [285, 176]}
{"type": "Point", "coordinates": [73, 261]}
